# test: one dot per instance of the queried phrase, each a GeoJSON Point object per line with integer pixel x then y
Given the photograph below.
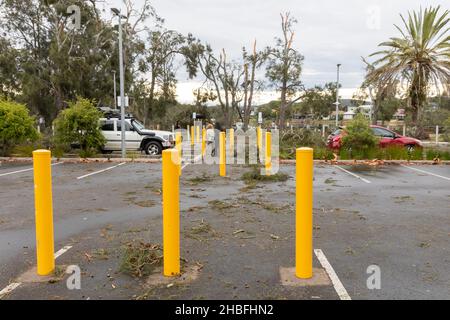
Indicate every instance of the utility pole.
{"type": "Point", "coordinates": [122, 82]}
{"type": "Point", "coordinates": [115, 92]}
{"type": "Point", "coordinates": [337, 97]}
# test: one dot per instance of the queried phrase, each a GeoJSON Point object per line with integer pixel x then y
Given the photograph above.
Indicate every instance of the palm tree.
{"type": "Point", "coordinates": [420, 58]}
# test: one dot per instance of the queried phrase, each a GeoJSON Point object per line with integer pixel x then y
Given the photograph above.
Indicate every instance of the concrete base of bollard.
{"type": "Point", "coordinates": [191, 273]}
{"type": "Point", "coordinates": [31, 276]}
{"type": "Point", "coordinates": [289, 279]}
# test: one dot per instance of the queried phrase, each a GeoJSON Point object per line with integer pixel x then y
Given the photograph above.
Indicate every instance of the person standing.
{"type": "Point", "coordinates": [210, 139]}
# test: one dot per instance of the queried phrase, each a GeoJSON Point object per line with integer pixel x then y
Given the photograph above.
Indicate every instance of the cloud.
{"type": "Point", "coordinates": [328, 31]}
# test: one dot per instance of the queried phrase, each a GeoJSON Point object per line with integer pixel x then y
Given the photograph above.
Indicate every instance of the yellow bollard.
{"type": "Point", "coordinates": [171, 212]}
{"type": "Point", "coordinates": [231, 137]}
{"type": "Point", "coordinates": [203, 142]}
{"type": "Point", "coordinates": [258, 138]}
{"type": "Point", "coordinates": [268, 153]}
{"type": "Point", "coordinates": [222, 155]}
{"type": "Point", "coordinates": [198, 133]}
{"type": "Point", "coordinates": [192, 136]}
{"type": "Point", "coordinates": [303, 209]}
{"type": "Point", "coordinates": [43, 212]}
{"type": "Point", "coordinates": [178, 146]}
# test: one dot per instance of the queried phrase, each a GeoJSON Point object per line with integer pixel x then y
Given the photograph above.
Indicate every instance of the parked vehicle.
{"type": "Point", "coordinates": [387, 138]}
{"type": "Point", "coordinates": [153, 142]}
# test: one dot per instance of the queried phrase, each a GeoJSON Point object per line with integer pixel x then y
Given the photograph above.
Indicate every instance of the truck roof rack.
{"type": "Point", "coordinates": [113, 113]}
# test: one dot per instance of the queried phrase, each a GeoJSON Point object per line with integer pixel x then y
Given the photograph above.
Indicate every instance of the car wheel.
{"type": "Point", "coordinates": [410, 147]}
{"type": "Point", "coordinates": [153, 148]}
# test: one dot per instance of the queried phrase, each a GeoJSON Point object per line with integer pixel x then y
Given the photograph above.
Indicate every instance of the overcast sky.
{"type": "Point", "coordinates": [328, 31]}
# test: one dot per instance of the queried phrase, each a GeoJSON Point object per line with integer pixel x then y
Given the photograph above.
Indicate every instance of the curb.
{"type": "Point", "coordinates": [285, 161]}
{"type": "Point", "coordinates": [83, 160]}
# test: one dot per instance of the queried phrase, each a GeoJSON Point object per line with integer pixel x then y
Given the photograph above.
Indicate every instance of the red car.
{"type": "Point", "coordinates": [387, 138]}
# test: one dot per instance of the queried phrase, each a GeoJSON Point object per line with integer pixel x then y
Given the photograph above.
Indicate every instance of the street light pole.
{"type": "Point", "coordinates": [115, 92]}
{"type": "Point", "coordinates": [337, 97]}
{"type": "Point", "coordinates": [122, 83]}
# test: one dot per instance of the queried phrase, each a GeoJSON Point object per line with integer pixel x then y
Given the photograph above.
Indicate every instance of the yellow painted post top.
{"type": "Point", "coordinates": [42, 153]}
{"type": "Point", "coordinates": [305, 150]}
{"type": "Point", "coordinates": [192, 136]}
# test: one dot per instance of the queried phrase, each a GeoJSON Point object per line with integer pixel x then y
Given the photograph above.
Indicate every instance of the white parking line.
{"type": "Point", "coordinates": [14, 285]}
{"type": "Point", "coordinates": [61, 251]}
{"type": "Point", "coordinates": [427, 172]}
{"type": "Point", "coordinates": [24, 170]}
{"type": "Point", "coordinates": [9, 288]}
{"type": "Point", "coordinates": [337, 284]}
{"type": "Point", "coordinates": [352, 174]}
{"type": "Point", "coordinates": [100, 171]}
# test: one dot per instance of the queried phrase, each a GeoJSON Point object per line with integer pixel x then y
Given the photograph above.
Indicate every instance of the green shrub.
{"type": "Point", "coordinates": [359, 142]}
{"type": "Point", "coordinates": [398, 153]}
{"type": "Point", "coordinates": [290, 141]}
{"type": "Point", "coordinates": [80, 124]}
{"type": "Point", "coordinates": [432, 154]}
{"type": "Point", "coordinates": [16, 126]}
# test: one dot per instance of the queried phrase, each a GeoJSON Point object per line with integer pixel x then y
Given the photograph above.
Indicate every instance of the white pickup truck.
{"type": "Point", "coordinates": [153, 142]}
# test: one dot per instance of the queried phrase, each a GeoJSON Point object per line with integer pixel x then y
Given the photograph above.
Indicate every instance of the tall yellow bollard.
{"type": "Point", "coordinates": [222, 155]}
{"type": "Point", "coordinates": [192, 136]}
{"type": "Point", "coordinates": [258, 138]}
{"type": "Point", "coordinates": [198, 133]}
{"type": "Point", "coordinates": [231, 137]}
{"type": "Point", "coordinates": [43, 212]}
{"type": "Point", "coordinates": [268, 154]}
{"type": "Point", "coordinates": [178, 146]}
{"type": "Point", "coordinates": [171, 212]}
{"type": "Point", "coordinates": [203, 142]}
{"type": "Point", "coordinates": [303, 209]}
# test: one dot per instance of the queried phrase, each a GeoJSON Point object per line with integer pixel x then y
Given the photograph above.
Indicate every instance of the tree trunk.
{"type": "Point", "coordinates": [283, 105]}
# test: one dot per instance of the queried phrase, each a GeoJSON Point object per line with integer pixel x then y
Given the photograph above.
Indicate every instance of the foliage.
{"type": "Point", "coordinates": [255, 176]}
{"type": "Point", "coordinates": [285, 67]}
{"type": "Point", "coordinates": [359, 138]}
{"type": "Point", "coordinates": [16, 125]}
{"type": "Point", "coordinates": [54, 64]}
{"type": "Point", "coordinates": [8, 69]}
{"type": "Point", "coordinates": [431, 154]}
{"type": "Point", "coordinates": [290, 141]}
{"type": "Point", "coordinates": [420, 56]}
{"type": "Point", "coordinates": [80, 124]}
{"type": "Point", "coordinates": [317, 101]}
{"type": "Point", "coordinates": [139, 259]}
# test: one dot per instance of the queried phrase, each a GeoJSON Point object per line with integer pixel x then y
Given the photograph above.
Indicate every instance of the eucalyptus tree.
{"type": "Point", "coordinates": [285, 67]}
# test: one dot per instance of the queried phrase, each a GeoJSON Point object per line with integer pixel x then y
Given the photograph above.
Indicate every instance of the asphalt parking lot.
{"type": "Point", "coordinates": [394, 216]}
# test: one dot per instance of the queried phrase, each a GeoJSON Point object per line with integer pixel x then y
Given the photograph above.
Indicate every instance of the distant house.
{"type": "Point", "coordinates": [399, 115]}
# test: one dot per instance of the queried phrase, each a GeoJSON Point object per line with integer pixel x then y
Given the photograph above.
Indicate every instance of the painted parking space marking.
{"type": "Point", "coordinates": [426, 172]}
{"type": "Point", "coordinates": [24, 170]}
{"type": "Point", "coordinates": [337, 284]}
{"type": "Point", "coordinates": [14, 285]}
{"type": "Point", "coordinates": [61, 251]}
{"type": "Point", "coordinates": [9, 288]}
{"type": "Point", "coordinates": [353, 174]}
{"type": "Point", "coordinates": [100, 171]}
